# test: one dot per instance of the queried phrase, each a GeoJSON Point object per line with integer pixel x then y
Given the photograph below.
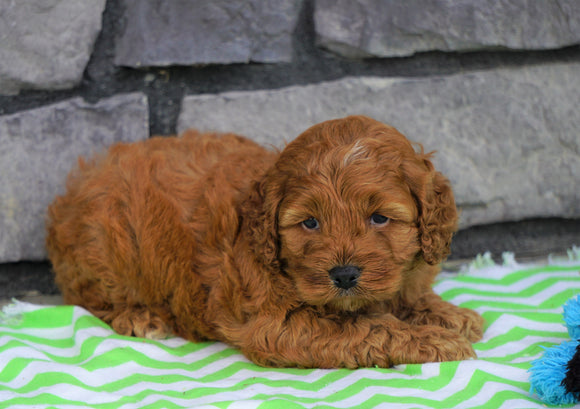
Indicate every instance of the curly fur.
{"type": "Point", "coordinates": [202, 236]}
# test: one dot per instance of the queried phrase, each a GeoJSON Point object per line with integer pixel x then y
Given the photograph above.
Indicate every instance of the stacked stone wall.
{"type": "Point", "coordinates": [494, 87]}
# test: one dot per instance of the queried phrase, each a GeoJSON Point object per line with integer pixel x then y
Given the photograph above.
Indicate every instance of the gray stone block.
{"type": "Point", "coordinates": [186, 32]}
{"type": "Point", "coordinates": [40, 146]}
{"type": "Point", "coordinates": [46, 44]}
{"type": "Point", "coordinates": [387, 28]}
{"type": "Point", "coordinates": [508, 139]}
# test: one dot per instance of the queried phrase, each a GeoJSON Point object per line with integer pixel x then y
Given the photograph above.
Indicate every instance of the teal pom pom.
{"type": "Point", "coordinates": [572, 317]}
{"type": "Point", "coordinates": [548, 372]}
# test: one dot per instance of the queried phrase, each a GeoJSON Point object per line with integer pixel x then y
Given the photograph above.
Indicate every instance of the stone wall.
{"type": "Point", "coordinates": [494, 87]}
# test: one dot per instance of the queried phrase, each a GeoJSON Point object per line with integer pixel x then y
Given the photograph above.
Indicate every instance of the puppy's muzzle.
{"type": "Point", "coordinates": [344, 277]}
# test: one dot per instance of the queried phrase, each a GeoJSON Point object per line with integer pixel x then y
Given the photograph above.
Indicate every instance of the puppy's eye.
{"type": "Point", "coordinates": [311, 224]}
{"type": "Point", "coordinates": [379, 219]}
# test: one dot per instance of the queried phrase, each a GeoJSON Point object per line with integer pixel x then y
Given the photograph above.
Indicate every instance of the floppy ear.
{"type": "Point", "coordinates": [260, 218]}
{"type": "Point", "coordinates": [437, 211]}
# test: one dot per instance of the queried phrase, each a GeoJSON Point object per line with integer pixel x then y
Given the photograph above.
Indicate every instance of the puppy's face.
{"type": "Point", "coordinates": [349, 218]}
{"type": "Point", "coordinates": [346, 236]}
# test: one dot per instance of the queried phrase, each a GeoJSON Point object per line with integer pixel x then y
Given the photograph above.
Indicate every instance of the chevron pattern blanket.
{"type": "Point", "coordinates": [62, 357]}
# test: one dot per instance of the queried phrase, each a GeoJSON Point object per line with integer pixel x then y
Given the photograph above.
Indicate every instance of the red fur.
{"type": "Point", "coordinates": [202, 236]}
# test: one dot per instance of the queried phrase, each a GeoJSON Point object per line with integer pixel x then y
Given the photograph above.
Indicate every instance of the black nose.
{"type": "Point", "coordinates": [344, 277]}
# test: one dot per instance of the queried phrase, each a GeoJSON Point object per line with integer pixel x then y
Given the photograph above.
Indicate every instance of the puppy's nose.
{"type": "Point", "coordinates": [344, 277]}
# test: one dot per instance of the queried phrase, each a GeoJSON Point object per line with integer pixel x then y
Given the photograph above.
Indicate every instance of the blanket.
{"type": "Point", "coordinates": [63, 357]}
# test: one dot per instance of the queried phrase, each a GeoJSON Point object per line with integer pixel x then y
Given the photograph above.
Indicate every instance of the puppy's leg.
{"type": "Point", "coordinates": [430, 309]}
{"type": "Point", "coordinates": [306, 339]}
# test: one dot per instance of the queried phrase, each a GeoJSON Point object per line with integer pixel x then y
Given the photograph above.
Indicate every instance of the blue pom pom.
{"type": "Point", "coordinates": [572, 317]}
{"type": "Point", "coordinates": [549, 371]}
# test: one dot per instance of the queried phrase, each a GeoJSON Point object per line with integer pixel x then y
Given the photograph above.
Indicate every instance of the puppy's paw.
{"type": "Point", "coordinates": [469, 324]}
{"type": "Point", "coordinates": [151, 327]}
{"type": "Point", "coordinates": [141, 323]}
{"type": "Point", "coordinates": [447, 345]}
{"type": "Point", "coordinates": [434, 344]}
{"type": "Point", "coordinates": [463, 321]}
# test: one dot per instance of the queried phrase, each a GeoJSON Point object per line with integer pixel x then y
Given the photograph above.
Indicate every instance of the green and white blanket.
{"type": "Point", "coordinates": [63, 357]}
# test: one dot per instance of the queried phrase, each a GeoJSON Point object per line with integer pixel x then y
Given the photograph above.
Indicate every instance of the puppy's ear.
{"type": "Point", "coordinates": [437, 211]}
{"type": "Point", "coordinates": [260, 213]}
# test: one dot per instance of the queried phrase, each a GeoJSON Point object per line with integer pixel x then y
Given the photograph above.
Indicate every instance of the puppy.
{"type": "Point", "coordinates": [322, 255]}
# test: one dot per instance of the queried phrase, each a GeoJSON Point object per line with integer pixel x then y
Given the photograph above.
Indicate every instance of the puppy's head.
{"type": "Point", "coordinates": [350, 209]}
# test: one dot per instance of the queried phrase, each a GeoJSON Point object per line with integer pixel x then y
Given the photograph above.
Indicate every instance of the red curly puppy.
{"type": "Point", "coordinates": [322, 255]}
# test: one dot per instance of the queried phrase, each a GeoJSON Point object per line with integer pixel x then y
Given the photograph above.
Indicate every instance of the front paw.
{"type": "Point", "coordinates": [469, 324]}
{"type": "Point", "coordinates": [463, 321]}
{"type": "Point", "coordinates": [433, 344]}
